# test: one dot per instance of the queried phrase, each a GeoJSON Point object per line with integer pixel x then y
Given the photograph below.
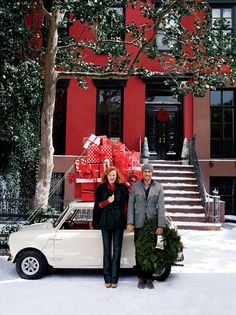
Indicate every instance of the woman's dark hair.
{"type": "Point", "coordinates": [119, 177]}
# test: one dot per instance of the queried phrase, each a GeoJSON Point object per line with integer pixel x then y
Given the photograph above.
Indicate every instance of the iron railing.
{"type": "Point", "coordinates": [210, 203]}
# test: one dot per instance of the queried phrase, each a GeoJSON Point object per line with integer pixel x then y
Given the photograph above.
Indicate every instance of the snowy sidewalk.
{"type": "Point", "coordinates": [204, 286]}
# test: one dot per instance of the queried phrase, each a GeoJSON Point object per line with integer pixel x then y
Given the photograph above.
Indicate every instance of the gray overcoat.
{"type": "Point", "coordinates": [140, 209]}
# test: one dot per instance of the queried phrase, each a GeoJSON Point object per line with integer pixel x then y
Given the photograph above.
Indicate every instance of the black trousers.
{"type": "Point", "coordinates": [112, 239]}
{"type": "Point", "coordinates": [145, 274]}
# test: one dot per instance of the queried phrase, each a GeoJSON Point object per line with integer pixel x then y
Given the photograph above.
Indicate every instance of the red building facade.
{"type": "Point", "coordinates": [128, 110]}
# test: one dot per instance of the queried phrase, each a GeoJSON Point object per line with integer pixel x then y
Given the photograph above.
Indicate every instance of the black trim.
{"type": "Point", "coordinates": [110, 83]}
{"type": "Point", "coordinates": [223, 2]}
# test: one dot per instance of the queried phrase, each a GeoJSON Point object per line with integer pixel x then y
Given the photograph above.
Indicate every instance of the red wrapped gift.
{"type": "Point", "coordinates": [78, 163]}
{"type": "Point", "coordinates": [89, 171]}
{"type": "Point", "coordinates": [95, 170]}
{"type": "Point", "coordinates": [88, 186]}
{"type": "Point", "coordinates": [93, 153]}
{"type": "Point", "coordinates": [118, 148]}
{"type": "Point", "coordinates": [122, 161]}
{"type": "Point", "coordinates": [105, 150]}
{"type": "Point", "coordinates": [92, 139]}
{"type": "Point", "coordinates": [87, 195]}
{"type": "Point", "coordinates": [85, 171]}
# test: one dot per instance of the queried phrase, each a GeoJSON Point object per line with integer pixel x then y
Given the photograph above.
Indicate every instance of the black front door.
{"type": "Point", "coordinates": [163, 130]}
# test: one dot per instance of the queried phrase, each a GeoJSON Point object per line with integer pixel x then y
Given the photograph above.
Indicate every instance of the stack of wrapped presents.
{"type": "Point", "coordinates": [101, 152]}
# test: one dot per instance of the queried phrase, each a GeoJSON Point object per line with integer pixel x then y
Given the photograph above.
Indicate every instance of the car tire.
{"type": "Point", "coordinates": [31, 265]}
{"type": "Point", "coordinates": [163, 275]}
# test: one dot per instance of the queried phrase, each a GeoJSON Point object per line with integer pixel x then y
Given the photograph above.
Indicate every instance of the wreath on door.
{"type": "Point", "coordinates": [162, 116]}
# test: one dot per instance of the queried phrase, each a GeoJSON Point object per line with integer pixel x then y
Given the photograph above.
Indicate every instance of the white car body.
{"type": "Point", "coordinates": [64, 247]}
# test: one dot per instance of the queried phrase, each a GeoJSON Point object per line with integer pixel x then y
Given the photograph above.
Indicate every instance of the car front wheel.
{"type": "Point", "coordinates": [31, 265]}
{"type": "Point", "coordinates": [162, 275]}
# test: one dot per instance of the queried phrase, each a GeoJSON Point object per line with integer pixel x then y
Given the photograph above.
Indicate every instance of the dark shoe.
{"type": "Point", "coordinates": [149, 284]}
{"type": "Point", "coordinates": [141, 283]}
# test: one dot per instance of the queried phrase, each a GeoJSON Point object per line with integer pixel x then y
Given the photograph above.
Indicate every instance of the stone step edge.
{"type": "Point", "coordinates": [186, 215]}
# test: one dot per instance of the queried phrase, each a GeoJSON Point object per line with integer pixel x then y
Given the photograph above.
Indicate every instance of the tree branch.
{"type": "Point", "coordinates": [45, 11]}
{"type": "Point", "coordinates": [155, 29]}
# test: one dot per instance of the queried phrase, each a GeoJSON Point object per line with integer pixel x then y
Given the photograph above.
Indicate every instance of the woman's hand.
{"type": "Point", "coordinates": [111, 198]}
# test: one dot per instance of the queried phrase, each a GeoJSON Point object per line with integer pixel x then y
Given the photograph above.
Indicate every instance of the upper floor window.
{"type": "Point", "coordinates": [161, 36]}
{"type": "Point", "coordinates": [223, 22]}
{"type": "Point", "coordinates": [111, 30]}
{"type": "Point", "coordinates": [223, 131]}
{"type": "Point", "coordinates": [109, 120]}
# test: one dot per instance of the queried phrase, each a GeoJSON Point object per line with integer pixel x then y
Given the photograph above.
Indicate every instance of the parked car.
{"type": "Point", "coordinates": [68, 242]}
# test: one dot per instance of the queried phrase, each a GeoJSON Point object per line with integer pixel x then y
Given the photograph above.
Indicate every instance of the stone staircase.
{"type": "Point", "coordinates": [182, 200]}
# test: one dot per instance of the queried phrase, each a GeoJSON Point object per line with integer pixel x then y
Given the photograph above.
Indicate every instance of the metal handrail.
{"type": "Point", "coordinates": [194, 161]}
{"type": "Point", "coordinates": [211, 214]}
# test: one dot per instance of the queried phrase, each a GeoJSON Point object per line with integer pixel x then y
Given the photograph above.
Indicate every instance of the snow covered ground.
{"type": "Point", "coordinates": [204, 286]}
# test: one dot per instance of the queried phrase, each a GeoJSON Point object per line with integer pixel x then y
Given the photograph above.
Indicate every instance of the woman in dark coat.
{"type": "Point", "coordinates": [109, 216]}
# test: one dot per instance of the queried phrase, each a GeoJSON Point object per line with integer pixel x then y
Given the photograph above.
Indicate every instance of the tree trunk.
{"type": "Point", "coordinates": [50, 79]}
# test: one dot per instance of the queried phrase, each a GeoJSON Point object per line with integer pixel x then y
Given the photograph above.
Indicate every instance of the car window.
{"type": "Point", "coordinates": [79, 219]}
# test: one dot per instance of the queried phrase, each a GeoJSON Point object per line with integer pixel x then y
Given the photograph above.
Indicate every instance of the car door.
{"type": "Point", "coordinates": [77, 245]}
{"type": "Point", "coordinates": [78, 248]}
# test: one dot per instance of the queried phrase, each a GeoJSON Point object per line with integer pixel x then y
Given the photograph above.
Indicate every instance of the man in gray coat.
{"type": "Point", "coordinates": [146, 201]}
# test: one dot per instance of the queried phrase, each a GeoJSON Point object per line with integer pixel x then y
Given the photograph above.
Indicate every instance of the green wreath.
{"type": "Point", "coordinates": [154, 259]}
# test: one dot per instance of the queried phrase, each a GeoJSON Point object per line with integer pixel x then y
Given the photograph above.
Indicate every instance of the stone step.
{"type": "Point", "coordinates": [180, 186]}
{"type": "Point", "coordinates": [181, 193]}
{"type": "Point", "coordinates": [177, 180]}
{"type": "Point", "coordinates": [155, 161]}
{"type": "Point", "coordinates": [201, 226]}
{"type": "Point", "coordinates": [182, 201]}
{"type": "Point", "coordinates": [174, 173]}
{"type": "Point", "coordinates": [188, 218]}
{"type": "Point", "coordinates": [185, 211]}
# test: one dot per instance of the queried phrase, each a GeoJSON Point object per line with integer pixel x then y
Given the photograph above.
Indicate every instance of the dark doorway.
{"type": "Point", "coordinates": [163, 126]}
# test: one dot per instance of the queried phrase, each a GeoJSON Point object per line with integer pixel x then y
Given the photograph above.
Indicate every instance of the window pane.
{"type": "Point", "coordinates": [215, 131]}
{"type": "Point", "coordinates": [228, 98]}
{"type": "Point", "coordinates": [115, 126]}
{"type": "Point", "coordinates": [216, 13]}
{"type": "Point", "coordinates": [228, 131]}
{"type": "Point", "coordinates": [159, 41]}
{"type": "Point", "coordinates": [109, 101]}
{"type": "Point", "coordinates": [215, 115]}
{"type": "Point", "coordinates": [215, 98]}
{"type": "Point", "coordinates": [216, 149]}
{"type": "Point", "coordinates": [103, 123]}
{"type": "Point", "coordinates": [228, 116]}
{"type": "Point", "coordinates": [227, 13]}
{"type": "Point", "coordinates": [228, 148]}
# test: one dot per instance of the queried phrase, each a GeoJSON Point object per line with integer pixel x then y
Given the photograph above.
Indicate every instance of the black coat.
{"type": "Point", "coordinates": [112, 215]}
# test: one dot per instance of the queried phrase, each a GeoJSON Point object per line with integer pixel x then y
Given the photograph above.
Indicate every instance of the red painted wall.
{"type": "Point", "coordinates": [134, 113]}
{"type": "Point", "coordinates": [81, 116]}
{"type": "Point", "coordinates": [81, 104]}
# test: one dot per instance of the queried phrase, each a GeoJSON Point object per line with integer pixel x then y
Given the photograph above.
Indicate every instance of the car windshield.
{"type": "Point", "coordinates": [58, 220]}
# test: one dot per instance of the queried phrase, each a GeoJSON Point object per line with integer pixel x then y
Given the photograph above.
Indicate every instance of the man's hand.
{"type": "Point", "coordinates": [111, 198]}
{"type": "Point", "coordinates": [159, 231]}
{"type": "Point", "coordinates": [130, 228]}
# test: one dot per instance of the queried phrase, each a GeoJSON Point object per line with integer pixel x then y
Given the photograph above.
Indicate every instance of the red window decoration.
{"type": "Point", "coordinates": [162, 116]}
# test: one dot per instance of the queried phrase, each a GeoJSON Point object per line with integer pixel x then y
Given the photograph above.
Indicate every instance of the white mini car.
{"type": "Point", "coordinates": [69, 242]}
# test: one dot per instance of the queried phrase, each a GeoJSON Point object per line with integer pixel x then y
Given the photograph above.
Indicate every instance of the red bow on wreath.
{"type": "Point", "coordinates": [162, 116]}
